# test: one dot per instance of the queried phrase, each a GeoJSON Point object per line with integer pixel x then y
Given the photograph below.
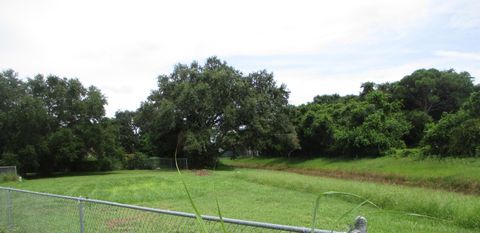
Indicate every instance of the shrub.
{"type": "Point", "coordinates": [137, 160]}
{"type": "Point", "coordinates": [8, 177]}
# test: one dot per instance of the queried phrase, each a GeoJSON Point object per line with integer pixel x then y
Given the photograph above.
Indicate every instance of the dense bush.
{"type": "Point", "coordinates": [394, 115]}
{"type": "Point", "coordinates": [136, 160]}
{"type": "Point", "coordinates": [366, 126]}
{"type": "Point", "coordinates": [456, 134]}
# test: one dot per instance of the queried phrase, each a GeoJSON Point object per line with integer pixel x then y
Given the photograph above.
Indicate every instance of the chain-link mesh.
{"type": "Point", "coordinates": [8, 170]}
{"type": "Point", "coordinates": [3, 211]}
{"type": "Point", "coordinates": [43, 214]}
{"type": "Point", "coordinates": [24, 212]}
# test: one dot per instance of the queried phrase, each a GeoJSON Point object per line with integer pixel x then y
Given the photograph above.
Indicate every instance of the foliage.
{"type": "Point", "coordinates": [391, 115]}
{"type": "Point", "coordinates": [457, 133]}
{"type": "Point", "coordinates": [210, 108]}
{"type": "Point", "coordinates": [316, 133]}
{"type": "Point", "coordinates": [128, 136]}
{"type": "Point", "coordinates": [433, 91]}
{"type": "Point", "coordinates": [418, 120]}
{"type": "Point", "coordinates": [357, 127]}
{"type": "Point", "coordinates": [136, 160]}
{"type": "Point", "coordinates": [51, 124]}
{"type": "Point", "coordinates": [8, 177]}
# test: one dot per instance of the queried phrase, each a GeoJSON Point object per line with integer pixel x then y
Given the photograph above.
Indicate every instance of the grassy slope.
{"type": "Point", "coordinates": [277, 197]}
{"type": "Point", "coordinates": [460, 174]}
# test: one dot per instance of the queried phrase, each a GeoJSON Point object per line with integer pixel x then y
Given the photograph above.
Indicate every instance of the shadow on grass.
{"type": "Point", "coordinates": [224, 167]}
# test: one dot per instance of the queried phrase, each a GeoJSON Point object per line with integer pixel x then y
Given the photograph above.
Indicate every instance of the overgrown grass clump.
{"type": "Point", "coordinates": [8, 177]}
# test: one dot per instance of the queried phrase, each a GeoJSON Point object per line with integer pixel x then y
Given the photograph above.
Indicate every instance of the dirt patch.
{"type": "Point", "coordinates": [459, 186]}
{"type": "Point", "coordinates": [201, 172]}
{"type": "Point", "coordinates": [121, 223]}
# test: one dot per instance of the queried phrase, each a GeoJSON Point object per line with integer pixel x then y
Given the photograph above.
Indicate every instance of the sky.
{"type": "Point", "coordinates": [314, 47]}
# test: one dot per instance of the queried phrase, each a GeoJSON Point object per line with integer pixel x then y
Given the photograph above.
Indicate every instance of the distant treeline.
{"type": "Point", "coordinates": [50, 124]}
{"type": "Point", "coordinates": [437, 111]}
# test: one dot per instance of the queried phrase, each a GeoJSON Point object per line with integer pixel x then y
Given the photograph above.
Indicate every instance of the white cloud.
{"type": "Point", "coordinates": [121, 46]}
{"type": "Point", "coordinates": [465, 14]}
{"type": "Point", "coordinates": [342, 83]}
{"type": "Point", "coordinates": [458, 55]}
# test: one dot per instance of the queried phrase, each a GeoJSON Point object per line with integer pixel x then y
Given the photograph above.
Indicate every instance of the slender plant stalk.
{"type": "Point", "coordinates": [317, 204]}
{"type": "Point", "coordinates": [224, 230]}
{"type": "Point", "coordinates": [197, 213]}
{"type": "Point", "coordinates": [414, 215]}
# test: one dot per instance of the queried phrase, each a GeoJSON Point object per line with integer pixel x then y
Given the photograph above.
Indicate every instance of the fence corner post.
{"type": "Point", "coordinates": [360, 225]}
{"type": "Point", "coordinates": [80, 214]}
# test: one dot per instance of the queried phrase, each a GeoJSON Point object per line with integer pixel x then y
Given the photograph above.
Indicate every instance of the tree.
{"type": "Point", "coordinates": [316, 133]}
{"type": "Point", "coordinates": [433, 91]}
{"type": "Point", "coordinates": [370, 127]}
{"type": "Point", "coordinates": [51, 124]}
{"type": "Point", "coordinates": [202, 110]}
{"type": "Point", "coordinates": [419, 121]}
{"type": "Point", "coordinates": [326, 99]}
{"type": "Point", "coordinates": [456, 134]}
{"type": "Point", "coordinates": [128, 136]}
{"type": "Point", "coordinates": [367, 87]}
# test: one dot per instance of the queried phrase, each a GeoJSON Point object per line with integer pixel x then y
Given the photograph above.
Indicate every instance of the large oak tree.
{"type": "Point", "coordinates": [201, 111]}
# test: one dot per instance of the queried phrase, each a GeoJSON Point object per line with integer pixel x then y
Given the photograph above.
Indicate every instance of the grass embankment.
{"type": "Point", "coordinates": [278, 197]}
{"type": "Point", "coordinates": [451, 174]}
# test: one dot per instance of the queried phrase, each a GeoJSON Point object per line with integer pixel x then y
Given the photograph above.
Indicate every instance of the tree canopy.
{"type": "Point", "coordinates": [50, 124]}
{"type": "Point", "coordinates": [204, 110]}
{"type": "Point", "coordinates": [433, 91]}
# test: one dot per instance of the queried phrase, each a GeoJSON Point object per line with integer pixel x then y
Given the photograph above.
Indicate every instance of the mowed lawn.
{"type": "Point", "coordinates": [277, 197]}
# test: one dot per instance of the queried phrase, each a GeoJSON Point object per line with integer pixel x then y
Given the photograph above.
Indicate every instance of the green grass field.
{"type": "Point", "coordinates": [458, 174]}
{"type": "Point", "coordinates": [277, 197]}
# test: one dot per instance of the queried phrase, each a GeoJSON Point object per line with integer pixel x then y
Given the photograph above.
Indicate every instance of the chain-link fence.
{"type": "Point", "coordinates": [24, 211]}
{"type": "Point", "coordinates": [8, 170]}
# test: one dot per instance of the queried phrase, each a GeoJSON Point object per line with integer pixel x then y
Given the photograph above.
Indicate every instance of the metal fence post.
{"type": "Point", "coordinates": [80, 214]}
{"type": "Point", "coordinates": [9, 211]}
{"type": "Point", "coordinates": [360, 225]}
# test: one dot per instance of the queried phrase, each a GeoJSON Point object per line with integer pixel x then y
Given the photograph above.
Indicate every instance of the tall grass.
{"type": "Point", "coordinates": [8, 177]}
{"type": "Point", "coordinates": [462, 210]}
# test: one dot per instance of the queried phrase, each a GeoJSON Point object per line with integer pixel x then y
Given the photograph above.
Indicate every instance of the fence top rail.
{"type": "Point", "coordinates": [177, 213]}
{"type": "Point", "coordinates": [8, 166]}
